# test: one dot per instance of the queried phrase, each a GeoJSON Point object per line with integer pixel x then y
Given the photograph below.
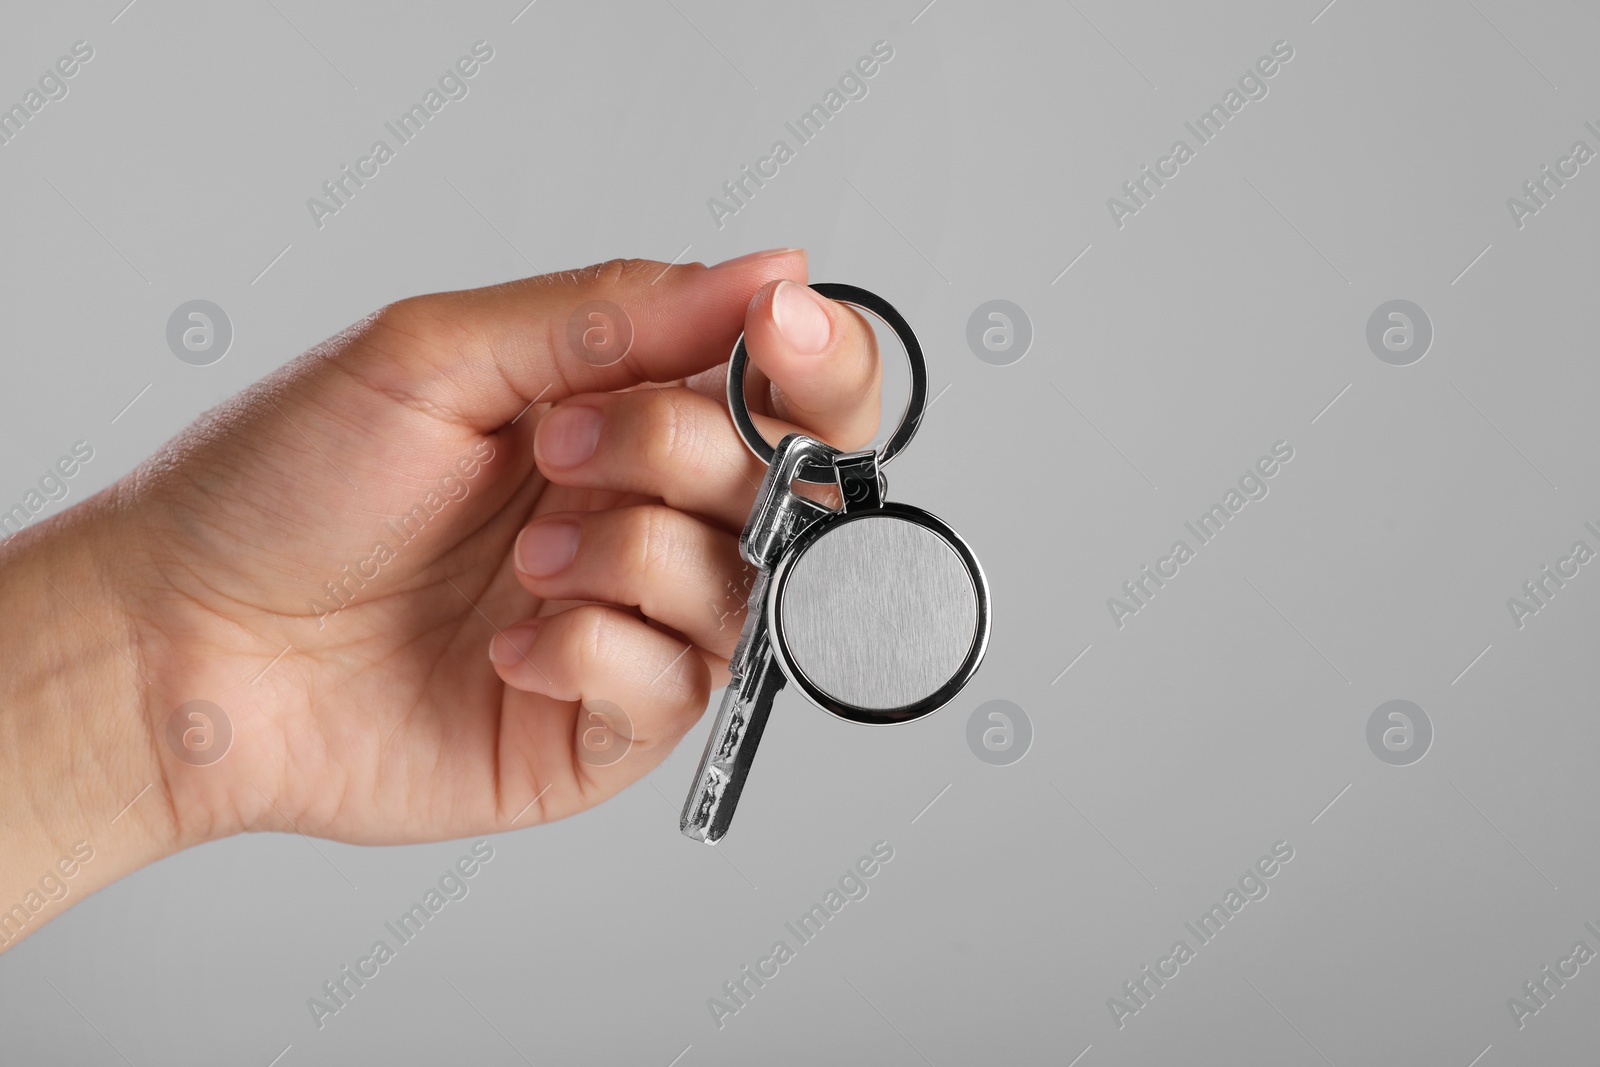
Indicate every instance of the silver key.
{"type": "Point", "coordinates": [878, 612]}
{"type": "Point", "coordinates": [755, 679]}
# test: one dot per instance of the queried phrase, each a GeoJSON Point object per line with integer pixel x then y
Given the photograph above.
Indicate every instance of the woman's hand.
{"type": "Point", "coordinates": [445, 574]}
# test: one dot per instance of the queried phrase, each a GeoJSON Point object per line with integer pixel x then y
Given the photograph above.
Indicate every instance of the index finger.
{"type": "Point", "coordinates": [480, 357]}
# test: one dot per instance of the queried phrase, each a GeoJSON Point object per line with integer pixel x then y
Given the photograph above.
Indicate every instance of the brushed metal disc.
{"type": "Point", "coordinates": [879, 612]}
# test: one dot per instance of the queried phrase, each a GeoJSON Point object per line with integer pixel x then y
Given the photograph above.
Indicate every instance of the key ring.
{"type": "Point", "coordinates": [916, 405]}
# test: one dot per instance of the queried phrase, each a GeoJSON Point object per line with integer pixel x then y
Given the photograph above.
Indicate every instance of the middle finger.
{"type": "Point", "coordinates": [677, 570]}
{"type": "Point", "coordinates": [668, 442]}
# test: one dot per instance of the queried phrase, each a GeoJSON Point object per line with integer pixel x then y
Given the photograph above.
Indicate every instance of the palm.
{"type": "Point", "coordinates": [382, 720]}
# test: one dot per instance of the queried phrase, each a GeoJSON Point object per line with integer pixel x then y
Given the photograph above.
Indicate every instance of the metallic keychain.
{"type": "Point", "coordinates": [878, 612]}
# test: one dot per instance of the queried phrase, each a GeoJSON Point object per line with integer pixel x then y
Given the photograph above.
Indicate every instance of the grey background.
{"type": "Point", "coordinates": [1224, 317]}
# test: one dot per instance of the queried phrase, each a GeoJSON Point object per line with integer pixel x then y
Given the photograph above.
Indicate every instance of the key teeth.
{"type": "Point", "coordinates": [697, 825]}
{"type": "Point", "coordinates": [692, 829]}
{"type": "Point", "coordinates": [731, 737]}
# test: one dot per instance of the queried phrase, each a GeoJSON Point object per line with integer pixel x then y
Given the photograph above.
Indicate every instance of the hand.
{"type": "Point", "coordinates": [412, 564]}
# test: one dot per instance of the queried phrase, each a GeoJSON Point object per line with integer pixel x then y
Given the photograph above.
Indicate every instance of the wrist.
{"type": "Point", "coordinates": [83, 798]}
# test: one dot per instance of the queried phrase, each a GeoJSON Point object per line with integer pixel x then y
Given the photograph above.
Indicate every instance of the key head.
{"type": "Point", "coordinates": [879, 616]}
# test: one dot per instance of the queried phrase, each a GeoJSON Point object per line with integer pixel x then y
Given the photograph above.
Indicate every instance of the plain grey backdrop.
{"type": "Point", "coordinates": [1171, 349]}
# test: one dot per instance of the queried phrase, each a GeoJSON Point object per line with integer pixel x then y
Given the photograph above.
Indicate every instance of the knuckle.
{"type": "Point", "coordinates": [614, 275]}
{"type": "Point", "coordinates": [665, 438]}
{"type": "Point", "coordinates": [865, 386]}
{"type": "Point", "coordinates": [689, 680]}
{"type": "Point", "coordinates": [555, 346]}
{"type": "Point", "coordinates": [652, 539]}
{"type": "Point", "coordinates": [418, 319]}
{"type": "Point", "coordinates": [404, 350]}
{"type": "Point", "coordinates": [588, 637]}
{"type": "Point", "coordinates": [618, 273]}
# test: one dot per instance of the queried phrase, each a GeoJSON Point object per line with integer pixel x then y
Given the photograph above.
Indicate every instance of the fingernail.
{"type": "Point", "coordinates": [511, 646]}
{"type": "Point", "coordinates": [801, 319]}
{"type": "Point", "coordinates": [751, 257]}
{"type": "Point", "coordinates": [546, 547]}
{"type": "Point", "coordinates": [568, 436]}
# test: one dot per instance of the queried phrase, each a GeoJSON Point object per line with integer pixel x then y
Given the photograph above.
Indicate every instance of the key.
{"type": "Point", "coordinates": [755, 679]}
{"type": "Point", "coordinates": [877, 611]}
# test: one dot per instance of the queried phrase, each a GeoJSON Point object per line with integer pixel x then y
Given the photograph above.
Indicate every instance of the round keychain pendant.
{"type": "Point", "coordinates": [879, 616]}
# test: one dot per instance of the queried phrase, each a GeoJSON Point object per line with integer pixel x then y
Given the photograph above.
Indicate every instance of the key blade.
{"type": "Point", "coordinates": [776, 518]}
{"type": "Point", "coordinates": [730, 751]}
